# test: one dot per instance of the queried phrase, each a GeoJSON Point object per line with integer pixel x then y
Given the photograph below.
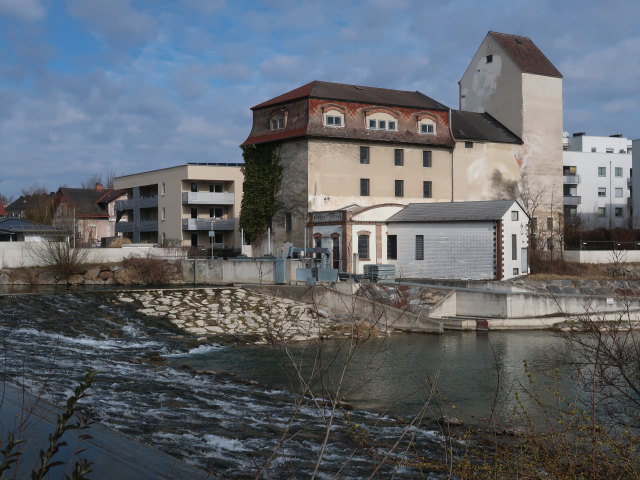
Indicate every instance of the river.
{"type": "Point", "coordinates": [230, 421]}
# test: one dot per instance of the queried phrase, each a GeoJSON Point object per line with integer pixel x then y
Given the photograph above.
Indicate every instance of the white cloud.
{"type": "Point", "coordinates": [28, 10]}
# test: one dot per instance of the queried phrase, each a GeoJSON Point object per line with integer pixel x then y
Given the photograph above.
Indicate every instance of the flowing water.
{"type": "Point", "coordinates": [228, 425]}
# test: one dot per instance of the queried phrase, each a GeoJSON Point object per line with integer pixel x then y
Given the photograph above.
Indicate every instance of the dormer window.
{"type": "Point", "coordinates": [277, 122]}
{"type": "Point", "coordinates": [379, 120]}
{"type": "Point", "coordinates": [426, 126]}
{"type": "Point", "coordinates": [333, 118]}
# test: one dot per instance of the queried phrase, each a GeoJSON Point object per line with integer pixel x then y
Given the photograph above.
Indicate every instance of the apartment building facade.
{"type": "Point", "coordinates": [186, 205]}
{"type": "Point", "coordinates": [596, 177]}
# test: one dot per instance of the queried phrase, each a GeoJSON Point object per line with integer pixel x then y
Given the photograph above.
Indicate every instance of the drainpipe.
{"type": "Point", "coordinates": [453, 150]}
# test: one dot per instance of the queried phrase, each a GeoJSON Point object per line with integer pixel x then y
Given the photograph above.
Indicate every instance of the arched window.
{"type": "Point", "coordinates": [333, 118]}
{"type": "Point", "coordinates": [277, 122]}
{"type": "Point", "coordinates": [363, 247]}
{"type": "Point", "coordinates": [426, 125]}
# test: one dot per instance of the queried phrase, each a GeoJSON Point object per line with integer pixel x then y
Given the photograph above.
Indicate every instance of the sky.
{"type": "Point", "coordinates": [124, 86]}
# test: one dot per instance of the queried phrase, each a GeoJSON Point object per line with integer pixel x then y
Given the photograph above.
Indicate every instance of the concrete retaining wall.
{"type": "Point", "coordinates": [237, 270]}
{"type": "Point", "coordinates": [514, 306]}
{"type": "Point", "coordinates": [21, 254]}
{"type": "Point", "coordinates": [372, 312]}
{"type": "Point", "coordinates": [602, 256]}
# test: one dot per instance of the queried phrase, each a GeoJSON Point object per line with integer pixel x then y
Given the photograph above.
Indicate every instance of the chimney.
{"type": "Point", "coordinates": [99, 187]}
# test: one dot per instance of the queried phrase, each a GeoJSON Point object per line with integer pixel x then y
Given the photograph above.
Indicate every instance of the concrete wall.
{"type": "Point", "coordinates": [376, 314]}
{"type": "Point", "coordinates": [497, 305]}
{"type": "Point", "coordinates": [602, 256]}
{"type": "Point", "coordinates": [236, 270]}
{"type": "Point", "coordinates": [22, 254]}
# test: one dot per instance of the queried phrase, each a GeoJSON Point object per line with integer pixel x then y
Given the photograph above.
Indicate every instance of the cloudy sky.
{"type": "Point", "coordinates": [123, 86]}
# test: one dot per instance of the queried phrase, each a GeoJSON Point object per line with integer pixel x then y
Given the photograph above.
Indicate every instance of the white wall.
{"type": "Point", "coordinates": [519, 228]}
{"type": "Point", "coordinates": [21, 254]}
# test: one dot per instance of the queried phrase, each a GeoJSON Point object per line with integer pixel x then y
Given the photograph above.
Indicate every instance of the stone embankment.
{"type": "Point", "coordinates": [249, 316]}
{"type": "Point", "coordinates": [581, 286]}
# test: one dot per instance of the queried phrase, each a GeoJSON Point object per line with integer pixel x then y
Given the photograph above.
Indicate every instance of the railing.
{"type": "Point", "coordinates": [571, 179]}
{"type": "Point", "coordinates": [208, 198]}
{"type": "Point", "coordinates": [142, 202]}
{"type": "Point", "coordinates": [144, 226]}
{"type": "Point", "coordinates": [600, 245]}
{"type": "Point", "coordinates": [572, 200]}
{"type": "Point", "coordinates": [205, 224]}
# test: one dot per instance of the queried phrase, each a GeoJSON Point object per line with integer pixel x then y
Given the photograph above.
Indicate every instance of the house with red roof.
{"type": "Point", "coordinates": [89, 212]}
{"type": "Point", "coordinates": [344, 148]}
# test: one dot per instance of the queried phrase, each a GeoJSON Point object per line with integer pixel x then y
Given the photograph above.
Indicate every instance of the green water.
{"type": "Point", "coordinates": [478, 372]}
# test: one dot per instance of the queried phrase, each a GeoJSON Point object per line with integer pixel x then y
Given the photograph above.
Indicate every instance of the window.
{"type": "Point", "coordinates": [399, 188]}
{"type": "Point", "coordinates": [364, 154]}
{"type": "Point", "coordinates": [363, 247]}
{"type": "Point", "coordinates": [364, 187]}
{"type": "Point", "coordinates": [514, 247]}
{"type": "Point", "coordinates": [622, 150]}
{"type": "Point", "coordinates": [163, 189]}
{"type": "Point", "coordinates": [602, 171]}
{"type": "Point", "coordinates": [426, 125]}
{"type": "Point", "coordinates": [618, 171]}
{"type": "Point", "coordinates": [549, 223]}
{"type": "Point", "coordinates": [602, 191]}
{"type": "Point", "coordinates": [288, 223]}
{"type": "Point", "coordinates": [194, 213]}
{"type": "Point", "coordinates": [569, 170]}
{"type": "Point", "coordinates": [618, 212]}
{"type": "Point", "coordinates": [618, 192]}
{"type": "Point", "coordinates": [426, 189]}
{"type": "Point", "coordinates": [215, 187]}
{"type": "Point", "coordinates": [277, 122]}
{"type": "Point", "coordinates": [194, 239]}
{"type": "Point", "coordinates": [516, 271]}
{"type": "Point", "coordinates": [468, 144]}
{"type": "Point", "coordinates": [218, 237]}
{"type": "Point", "coordinates": [593, 149]}
{"type": "Point", "coordinates": [392, 247]}
{"type": "Point", "coordinates": [215, 212]}
{"type": "Point", "coordinates": [426, 158]}
{"type": "Point", "coordinates": [398, 157]}
{"type": "Point", "coordinates": [514, 215]}
{"type": "Point", "coordinates": [489, 58]}
{"type": "Point", "coordinates": [382, 121]}
{"type": "Point", "coordinates": [602, 211]}
{"type": "Point", "coordinates": [194, 186]}
{"type": "Point", "coordinates": [609, 150]}
{"type": "Point", "coordinates": [419, 247]}
{"type": "Point", "coordinates": [333, 121]}
{"type": "Point", "coordinates": [163, 214]}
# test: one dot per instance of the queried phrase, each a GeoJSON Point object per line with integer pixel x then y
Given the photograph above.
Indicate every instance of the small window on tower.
{"type": "Point", "coordinates": [489, 58]}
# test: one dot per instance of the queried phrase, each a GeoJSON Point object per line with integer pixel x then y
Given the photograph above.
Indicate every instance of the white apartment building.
{"type": "Point", "coordinates": [596, 177]}
{"type": "Point", "coordinates": [635, 186]}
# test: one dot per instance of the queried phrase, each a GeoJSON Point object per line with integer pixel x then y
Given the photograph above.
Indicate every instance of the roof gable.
{"type": "Point", "coordinates": [481, 211]}
{"type": "Point", "coordinates": [525, 54]}
{"type": "Point", "coordinates": [84, 200]}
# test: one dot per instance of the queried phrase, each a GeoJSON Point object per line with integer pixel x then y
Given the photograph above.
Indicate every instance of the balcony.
{"type": "Point", "coordinates": [571, 179]}
{"type": "Point", "coordinates": [131, 203]}
{"type": "Point", "coordinates": [144, 226]}
{"type": "Point", "coordinates": [205, 224]}
{"type": "Point", "coordinates": [208, 198]}
{"type": "Point", "coordinates": [572, 200]}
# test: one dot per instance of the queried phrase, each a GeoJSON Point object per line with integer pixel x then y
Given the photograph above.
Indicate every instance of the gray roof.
{"type": "Point", "coordinates": [480, 126]}
{"type": "Point", "coordinates": [356, 93]}
{"type": "Point", "coordinates": [482, 211]}
{"type": "Point", "coordinates": [525, 54]}
{"type": "Point", "coordinates": [18, 225]}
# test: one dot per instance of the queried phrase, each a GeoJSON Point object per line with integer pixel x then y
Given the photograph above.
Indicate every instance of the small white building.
{"type": "Point", "coordinates": [461, 240]}
{"type": "Point", "coordinates": [596, 179]}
